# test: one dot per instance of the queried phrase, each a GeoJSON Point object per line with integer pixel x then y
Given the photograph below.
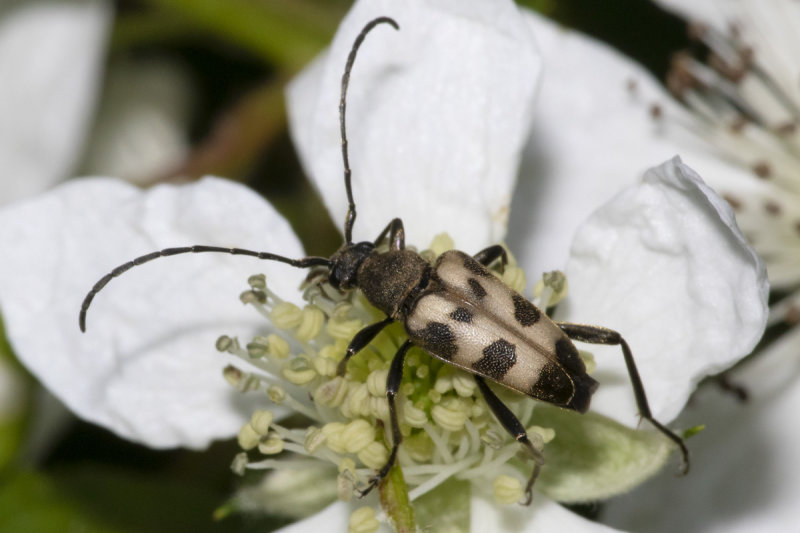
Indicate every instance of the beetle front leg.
{"type": "Point", "coordinates": [489, 255]}
{"type": "Point", "coordinates": [360, 341]}
{"type": "Point", "coordinates": [397, 235]}
{"type": "Point", "coordinates": [599, 335]}
{"type": "Point", "coordinates": [392, 385]}
{"type": "Point", "coordinates": [515, 428]}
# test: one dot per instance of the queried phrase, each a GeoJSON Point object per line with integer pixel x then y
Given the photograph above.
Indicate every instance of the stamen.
{"type": "Point", "coordinates": [507, 490]}
{"type": "Point", "coordinates": [446, 426]}
{"type": "Point", "coordinates": [363, 521]}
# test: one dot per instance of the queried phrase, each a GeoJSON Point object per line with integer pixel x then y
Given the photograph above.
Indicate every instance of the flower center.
{"type": "Point", "coordinates": [448, 430]}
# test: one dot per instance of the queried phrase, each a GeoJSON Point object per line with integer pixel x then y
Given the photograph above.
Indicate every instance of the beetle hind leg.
{"type": "Point", "coordinates": [515, 428]}
{"type": "Point", "coordinates": [599, 335]}
{"type": "Point", "coordinates": [489, 255]}
{"type": "Point", "coordinates": [392, 385]}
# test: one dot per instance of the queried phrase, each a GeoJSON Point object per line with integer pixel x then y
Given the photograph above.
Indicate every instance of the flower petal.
{"type": "Point", "coordinates": [336, 514]}
{"type": "Point", "coordinates": [146, 368]}
{"type": "Point", "coordinates": [743, 475]}
{"type": "Point", "coordinates": [50, 61]}
{"type": "Point", "coordinates": [591, 136]}
{"type": "Point", "coordinates": [544, 516]}
{"type": "Point", "coordinates": [437, 115]}
{"type": "Point", "coordinates": [665, 265]}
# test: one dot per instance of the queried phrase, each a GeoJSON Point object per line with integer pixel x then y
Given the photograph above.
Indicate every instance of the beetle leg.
{"type": "Point", "coordinates": [392, 385]}
{"type": "Point", "coordinates": [489, 255]}
{"type": "Point", "coordinates": [360, 341]}
{"type": "Point", "coordinates": [599, 335]}
{"type": "Point", "coordinates": [515, 428]}
{"type": "Point", "coordinates": [397, 235]}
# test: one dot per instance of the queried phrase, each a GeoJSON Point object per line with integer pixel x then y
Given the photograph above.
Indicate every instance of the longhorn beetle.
{"type": "Point", "coordinates": [456, 310]}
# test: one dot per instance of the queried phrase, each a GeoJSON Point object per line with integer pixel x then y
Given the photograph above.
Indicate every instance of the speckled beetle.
{"type": "Point", "coordinates": [456, 310]}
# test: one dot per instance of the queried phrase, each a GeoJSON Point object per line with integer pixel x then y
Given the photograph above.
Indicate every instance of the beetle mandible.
{"type": "Point", "coordinates": [456, 310]}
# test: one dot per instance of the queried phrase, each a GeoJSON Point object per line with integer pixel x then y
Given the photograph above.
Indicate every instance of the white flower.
{"type": "Point", "coordinates": [595, 102]}
{"type": "Point", "coordinates": [51, 55]}
{"type": "Point", "coordinates": [438, 114]}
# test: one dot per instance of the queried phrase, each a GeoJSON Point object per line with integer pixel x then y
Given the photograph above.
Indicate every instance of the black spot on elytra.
{"type": "Point", "coordinates": [475, 267]}
{"type": "Point", "coordinates": [553, 386]}
{"type": "Point", "coordinates": [498, 358]}
{"type": "Point", "coordinates": [524, 311]}
{"type": "Point", "coordinates": [462, 314]}
{"type": "Point", "coordinates": [567, 355]}
{"type": "Point", "coordinates": [477, 289]}
{"type": "Point", "coordinates": [438, 339]}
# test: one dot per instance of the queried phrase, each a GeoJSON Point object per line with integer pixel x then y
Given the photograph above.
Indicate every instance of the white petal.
{"type": "Point", "coordinates": [591, 137]}
{"type": "Point", "coordinates": [744, 471]}
{"type": "Point", "coordinates": [664, 264]}
{"type": "Point", "coordinates": [543, 516]}
{"type": "Point", "coordinates": [437, 115]}
{"type": "Point", "coordinates": [50, 61]}
{"type": "Point", "coordinates": [333, 518]}
{"type": "Point", "coordinates": [147, 367]}
{"type": "Point", "coordinates": [707, 10]}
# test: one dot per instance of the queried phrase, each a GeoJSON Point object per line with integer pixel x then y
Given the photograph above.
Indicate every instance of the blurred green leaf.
{"type": "Point", "coordinates": [92, 497]}
{"type": "Point", "coordinates": [31, 502]}
{"type": "Point", "coordinates": [13, 417]}
{"type": "Point", "coordinates": [286, 33]}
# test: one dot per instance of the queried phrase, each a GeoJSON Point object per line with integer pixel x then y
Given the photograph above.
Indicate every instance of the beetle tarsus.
{"type": "Point", "coordinates": [600, 335]}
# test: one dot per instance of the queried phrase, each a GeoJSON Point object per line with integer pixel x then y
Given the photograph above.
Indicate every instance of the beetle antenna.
{"type": "Point", "coordinates": [102, 282]}
{"type": "Point", "coordinates": [351, 209]}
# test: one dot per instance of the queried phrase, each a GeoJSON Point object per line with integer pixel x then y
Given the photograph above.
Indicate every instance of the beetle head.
{"type": "Point", "coordinates": [345, 263]}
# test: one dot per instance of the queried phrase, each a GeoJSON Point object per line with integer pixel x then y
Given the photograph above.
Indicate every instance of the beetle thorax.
{"type": "Point", "coordinates": [393, 280]}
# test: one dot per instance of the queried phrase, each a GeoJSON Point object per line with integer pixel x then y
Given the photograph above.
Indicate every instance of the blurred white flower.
{"type": "Point", "coordinates": [51, 60]}
{"type": "Point", "coordinates": [736, 132]}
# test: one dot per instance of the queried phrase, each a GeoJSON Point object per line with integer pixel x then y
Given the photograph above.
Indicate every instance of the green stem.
{"type": "Point", "coordinates": [395, 502]}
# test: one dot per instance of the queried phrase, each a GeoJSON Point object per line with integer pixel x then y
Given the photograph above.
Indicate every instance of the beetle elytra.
{"type": "Point", "coordinates": [455, 309]}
